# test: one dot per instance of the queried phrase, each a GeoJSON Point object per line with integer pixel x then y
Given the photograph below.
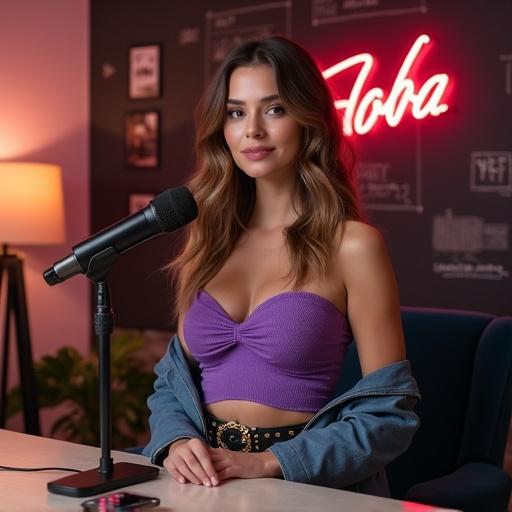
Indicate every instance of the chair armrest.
{"type": "Point", "coordinates": [472, 488]}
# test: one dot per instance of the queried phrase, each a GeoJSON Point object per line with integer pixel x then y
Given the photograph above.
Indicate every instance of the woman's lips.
{"type": "Point", "coordinates": [257, 152]}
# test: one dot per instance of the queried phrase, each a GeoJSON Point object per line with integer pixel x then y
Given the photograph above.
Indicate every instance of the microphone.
{"type": "Point", "coordinates": [168, 211]}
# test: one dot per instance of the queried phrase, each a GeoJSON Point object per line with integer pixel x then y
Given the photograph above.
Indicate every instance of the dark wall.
{"type": "Point", "coordinates": [438, 188]}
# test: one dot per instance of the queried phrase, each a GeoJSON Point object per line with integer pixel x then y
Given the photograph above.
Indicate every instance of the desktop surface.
{"type": "Point", "coordinates": [26, 491]}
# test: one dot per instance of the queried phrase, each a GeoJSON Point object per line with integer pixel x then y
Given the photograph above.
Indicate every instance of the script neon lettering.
{"type": "Point", "coordinates": [362, 113]}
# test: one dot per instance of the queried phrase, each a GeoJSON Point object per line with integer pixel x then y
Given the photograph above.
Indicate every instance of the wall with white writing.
{"type": "Point", "coordinates": [423, 87]}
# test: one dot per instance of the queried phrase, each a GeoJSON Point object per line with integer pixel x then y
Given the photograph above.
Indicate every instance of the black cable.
{"type": "Point", "coordinates": [9, 468]}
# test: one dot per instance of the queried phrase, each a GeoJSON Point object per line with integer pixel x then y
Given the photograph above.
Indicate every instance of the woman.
{"type": "Point", "coordinates": [278, 275]}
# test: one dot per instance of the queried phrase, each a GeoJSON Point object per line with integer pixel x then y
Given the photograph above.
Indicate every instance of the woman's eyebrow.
{"type": "Point", "coordinates": [272, 97]}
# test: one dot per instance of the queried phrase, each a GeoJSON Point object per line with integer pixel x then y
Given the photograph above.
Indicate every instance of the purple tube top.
{"type": "Point", "coordinates": [287, 354]}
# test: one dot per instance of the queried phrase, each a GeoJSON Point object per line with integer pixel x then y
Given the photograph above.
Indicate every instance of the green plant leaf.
{"type": "Point", "coordinates": [70, 377]}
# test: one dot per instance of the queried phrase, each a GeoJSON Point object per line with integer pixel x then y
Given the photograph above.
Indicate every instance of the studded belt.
{"type": "Point", "coordinates": [241, 438]}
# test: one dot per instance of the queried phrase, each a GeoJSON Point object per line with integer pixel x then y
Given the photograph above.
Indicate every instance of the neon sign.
{"type": "Point", "coordinates": [361, 113]}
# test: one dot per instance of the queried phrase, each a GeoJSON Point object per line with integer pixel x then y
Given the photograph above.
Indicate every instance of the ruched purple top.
{"type": "Point", "coordinates": [287, 354]}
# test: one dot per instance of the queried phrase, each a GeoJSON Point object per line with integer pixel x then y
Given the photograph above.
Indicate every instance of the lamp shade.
{"type": "Point", "coordinates": [31, 204]}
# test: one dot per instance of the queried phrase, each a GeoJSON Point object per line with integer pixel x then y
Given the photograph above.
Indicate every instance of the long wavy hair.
{"type": "Point", "coordinates": [225, 195]}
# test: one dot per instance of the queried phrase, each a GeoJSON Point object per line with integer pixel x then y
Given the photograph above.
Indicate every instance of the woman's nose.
{"type": "Point", "coordinates": [254, 128]}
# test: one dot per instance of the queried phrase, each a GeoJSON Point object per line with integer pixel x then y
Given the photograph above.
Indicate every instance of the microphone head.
{"type": "Point", "coordinates": [174, 208]}
{"type": "Point", "coordinates": [51, 277]}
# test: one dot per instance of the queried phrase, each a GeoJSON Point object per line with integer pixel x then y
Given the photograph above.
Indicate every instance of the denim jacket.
{"type": "Point", "coordinates": [346, 445]}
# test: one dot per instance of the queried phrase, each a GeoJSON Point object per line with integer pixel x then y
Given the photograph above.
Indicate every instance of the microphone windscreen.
{"type": "Point", "coordinates": [174, 208]}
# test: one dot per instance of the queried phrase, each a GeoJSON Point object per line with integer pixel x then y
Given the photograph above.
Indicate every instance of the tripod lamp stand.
{"type": "Point", "coordinates": [31, 213]}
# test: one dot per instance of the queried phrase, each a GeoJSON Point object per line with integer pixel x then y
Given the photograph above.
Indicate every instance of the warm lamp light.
{"type": "Point", "coordinates": [31, 213]}
{"type": "Point", "coordinates": [31, 204]}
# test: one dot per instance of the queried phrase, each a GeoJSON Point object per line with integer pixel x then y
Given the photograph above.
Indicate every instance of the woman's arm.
{"type": "Point", "coordinates": [373, 306]}
{"type": "Point", "coordinates": [176, 440]}
{"type": "Point", "coordinates": [170, 418]}
{"type": "Point", "coordinates": [360, 437]}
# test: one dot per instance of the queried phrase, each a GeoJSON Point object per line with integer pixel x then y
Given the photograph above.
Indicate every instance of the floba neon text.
{"type": "Point", "coordinates": [361, 113]}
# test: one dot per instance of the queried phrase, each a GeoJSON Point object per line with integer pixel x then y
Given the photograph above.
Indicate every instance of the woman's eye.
{"type": "Point", "coordinates": [276, 110]}
{"type": "Point", "coordinates": [235, 114]}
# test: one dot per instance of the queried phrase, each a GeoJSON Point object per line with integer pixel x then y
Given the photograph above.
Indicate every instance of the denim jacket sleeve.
{"type": "Point", "coordinates": [356, 434]}
{"type": "Point", "coordinates": [174, 405]}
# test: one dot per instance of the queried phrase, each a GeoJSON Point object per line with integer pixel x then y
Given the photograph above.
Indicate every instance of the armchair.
{"type": "Point", "coordinates": [462, 362]}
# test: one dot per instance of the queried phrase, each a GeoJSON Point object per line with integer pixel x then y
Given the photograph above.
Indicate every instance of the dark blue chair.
{"type": "Point", "coordinates": [462, 362]}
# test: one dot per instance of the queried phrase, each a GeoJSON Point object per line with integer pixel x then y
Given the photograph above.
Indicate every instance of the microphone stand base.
{"type": "Point", "coordinates": [92, 481]}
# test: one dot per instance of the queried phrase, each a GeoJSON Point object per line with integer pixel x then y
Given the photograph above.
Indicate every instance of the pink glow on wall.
{"type": "Point", "coordinates": [44, 106]}
{"type": "Point", "coordinates": [362, 111]}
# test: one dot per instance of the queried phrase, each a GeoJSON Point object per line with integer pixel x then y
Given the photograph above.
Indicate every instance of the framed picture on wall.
{"type": "Point", "coordinates": [142, 139]}
{"type": "Point", "coordinates": [137, 201]}
{"type": "Point", "coordinates": [145, 74]}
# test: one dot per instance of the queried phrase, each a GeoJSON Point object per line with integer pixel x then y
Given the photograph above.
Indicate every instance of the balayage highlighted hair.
{"type": "Point", "coordinates": [225, 195]}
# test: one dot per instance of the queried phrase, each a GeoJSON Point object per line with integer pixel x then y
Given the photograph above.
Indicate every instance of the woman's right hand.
{"type": "Point", "coordinates": [189, 461]}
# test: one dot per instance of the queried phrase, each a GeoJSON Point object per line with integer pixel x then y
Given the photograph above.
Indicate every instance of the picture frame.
{"type": "Point", "coordinates": [145, 74]}
{"type": "Point", "coordinates": [138, 200]}
{"type": "Point", "coordinates": [142, 139]}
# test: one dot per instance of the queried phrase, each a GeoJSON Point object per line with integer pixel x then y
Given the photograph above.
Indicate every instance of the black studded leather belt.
{"type": "Point", "coordinates": [237, 437]}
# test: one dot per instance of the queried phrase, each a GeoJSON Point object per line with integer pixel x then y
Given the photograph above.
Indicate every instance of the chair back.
{"type": "Point", "coordinates": [462, 362]}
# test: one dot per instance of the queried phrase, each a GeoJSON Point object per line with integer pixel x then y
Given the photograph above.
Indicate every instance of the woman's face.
{"type": "Point", "coordinates": [262, 137]}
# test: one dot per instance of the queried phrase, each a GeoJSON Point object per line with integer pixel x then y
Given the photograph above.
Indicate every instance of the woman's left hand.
{"type": "Point", "coordinates": [231, 464]}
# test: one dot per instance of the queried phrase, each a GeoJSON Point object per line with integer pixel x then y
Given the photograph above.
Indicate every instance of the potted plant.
{"type": "Point", "coordinates": [71, 378]}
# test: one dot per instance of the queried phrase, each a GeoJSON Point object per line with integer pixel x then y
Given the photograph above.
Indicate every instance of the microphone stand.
{"type": "Point", "coordinates": [107, 476]}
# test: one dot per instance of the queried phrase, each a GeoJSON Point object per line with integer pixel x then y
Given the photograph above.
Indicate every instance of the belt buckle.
{"type": "Point", "coordinates": [242, 432]}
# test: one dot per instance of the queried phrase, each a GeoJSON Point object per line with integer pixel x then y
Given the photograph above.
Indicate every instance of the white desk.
{"type": "Point", "coordinates": [24, 492]}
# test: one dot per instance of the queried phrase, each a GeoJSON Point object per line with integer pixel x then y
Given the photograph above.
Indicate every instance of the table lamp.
{"type": "Point", "coordinates": [31, 213]}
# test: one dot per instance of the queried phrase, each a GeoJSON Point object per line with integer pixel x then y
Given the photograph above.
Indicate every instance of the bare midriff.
{"type": "Point", "coordinates": [253, 414]}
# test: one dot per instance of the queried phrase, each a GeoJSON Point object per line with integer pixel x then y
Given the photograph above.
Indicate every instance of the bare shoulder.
{"type": "Point", "coordinates": [359, 240]}
{"type": "Point", "coordinates": [362, 254]}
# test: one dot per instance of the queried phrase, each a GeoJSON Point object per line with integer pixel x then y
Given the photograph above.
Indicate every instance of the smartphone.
{"type": "Point", "coordinates": [120, 502]}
